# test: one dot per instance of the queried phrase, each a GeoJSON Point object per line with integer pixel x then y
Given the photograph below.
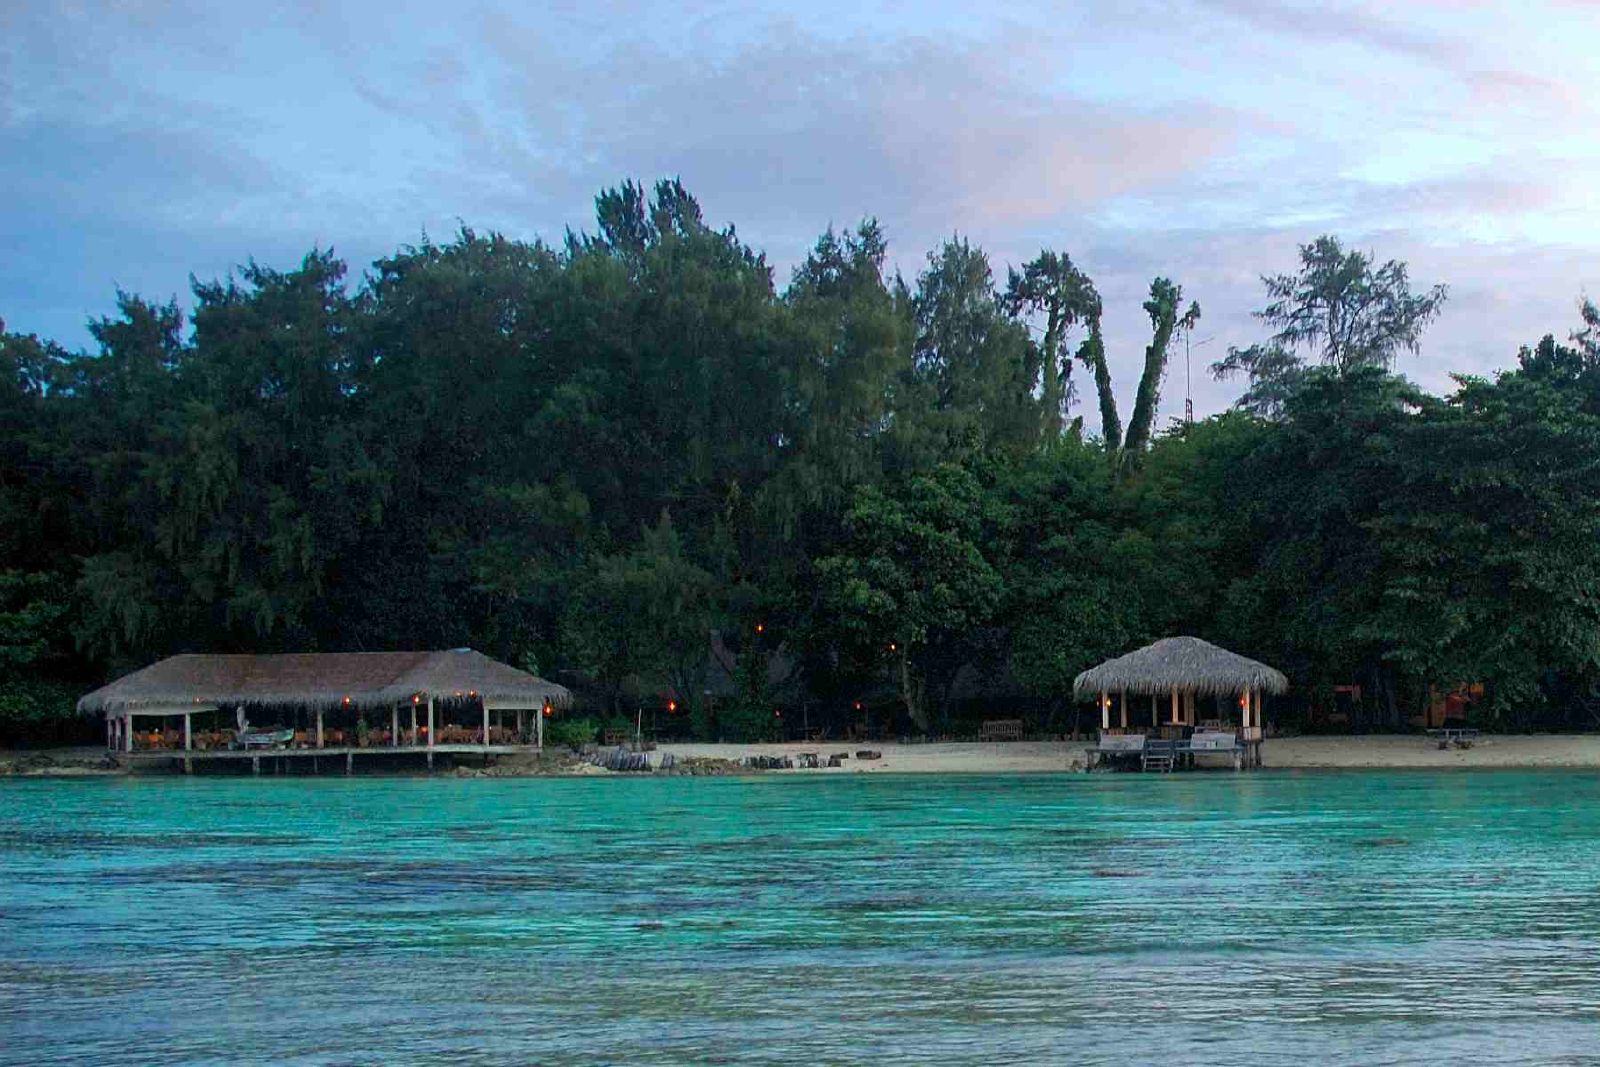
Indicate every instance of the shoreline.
{"type": "Point", "coordinates": [1371, 752]}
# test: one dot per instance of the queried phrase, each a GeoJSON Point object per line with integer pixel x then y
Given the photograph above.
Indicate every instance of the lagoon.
{"type": "Point", "coordinates": [1376, 917]}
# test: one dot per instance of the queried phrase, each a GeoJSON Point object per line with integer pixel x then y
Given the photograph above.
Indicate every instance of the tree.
{"type": "Point", "coordinates": [1052, 284]}
{"type": "Point", "coordinates": [1338, 309]}
{"type": "Point", "coordinates": [913, 587]}
{"type": "Point", "coordinates": [646, 615]}
{"type": "Point", "coordinates": [972, 364]}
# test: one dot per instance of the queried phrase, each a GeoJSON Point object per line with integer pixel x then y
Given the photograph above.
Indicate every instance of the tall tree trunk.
{"type": "Point", "coordinates": [1092, 353]}
{"type": "Point", "coordinates": [1055, 375]}
{"type": "Point", "coordinates": [1162, 308]}
{"type": "Point", "coordinates": [912, 693]}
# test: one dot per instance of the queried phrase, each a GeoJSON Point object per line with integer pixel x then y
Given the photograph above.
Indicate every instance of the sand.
{"type": "Point", "coordinates": [1537, 750]}
{"type": "Point", "coordinates": [1024, 757]}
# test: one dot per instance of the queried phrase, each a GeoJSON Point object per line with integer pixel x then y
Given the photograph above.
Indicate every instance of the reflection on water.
{"type": "Point", "coordinates": [1275, 917]}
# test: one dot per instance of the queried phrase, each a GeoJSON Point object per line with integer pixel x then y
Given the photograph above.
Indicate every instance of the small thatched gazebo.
{"type": "Point", "coordinates": [1180, 669]}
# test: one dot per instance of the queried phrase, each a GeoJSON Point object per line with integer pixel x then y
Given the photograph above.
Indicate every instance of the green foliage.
{"type": "Point", "coordinates": [571, 733]}
{"type": "Point", "coordinates": [1338, 307]}
{"type": "Point", "coordinates": [912, 587]}
{"type": "Point", "coordinates": [609, 456]}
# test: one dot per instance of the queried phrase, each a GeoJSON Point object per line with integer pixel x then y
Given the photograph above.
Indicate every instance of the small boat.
{"type": "Point", "coordinates": [265, 738]}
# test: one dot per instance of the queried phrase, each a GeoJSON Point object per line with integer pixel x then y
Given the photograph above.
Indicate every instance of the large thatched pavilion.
{"type": "Point", "coordinates": [1173, 673]}
{"type": "Point", "coordinates": [450, 699]}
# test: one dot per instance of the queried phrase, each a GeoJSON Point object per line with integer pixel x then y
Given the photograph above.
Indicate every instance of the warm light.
{"type": "Point", "coordinates": [416, 700]}
{"type": "Point", "coordinates": [893, 646]}
{"type": "Point", "coordinates": [549, 711]}
{"type": "Point", "coordinates": [347, 701]}
{"type": "Point", "coordinates": [761, 627]}
{"type": "Point", "coordinates": [672, 705]}
{"type": "Point", "coordinates": [858, 705]}
{"type": "Point", "coordinates": [777, 713]}
{"type": "Point", "coordinates": [472, 693]}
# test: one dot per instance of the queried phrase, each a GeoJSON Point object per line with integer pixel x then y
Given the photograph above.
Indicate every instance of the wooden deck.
{"type": "Point", "coordinates": [1167, 755]}
{"type": "Point", "coordinates": [340, 758]}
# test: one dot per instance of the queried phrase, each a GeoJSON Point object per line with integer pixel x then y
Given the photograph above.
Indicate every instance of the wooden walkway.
{"type": "Point", "coordinates": [342, 758]}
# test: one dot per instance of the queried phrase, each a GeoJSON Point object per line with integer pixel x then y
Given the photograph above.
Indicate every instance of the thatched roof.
{"type": "Point", "coordinates": [1180, 663]}
{"type": "Point", "coordinates": [367, 679]}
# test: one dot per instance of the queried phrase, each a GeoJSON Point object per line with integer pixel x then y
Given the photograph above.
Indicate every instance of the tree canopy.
{"type": "Point", "coordinates": [635, 461]}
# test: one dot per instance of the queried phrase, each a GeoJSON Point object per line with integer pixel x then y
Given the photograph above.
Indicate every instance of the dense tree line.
{"type": "Point", "coordinates": [636, 463]}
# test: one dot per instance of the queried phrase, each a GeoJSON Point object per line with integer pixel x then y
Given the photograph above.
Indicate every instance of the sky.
{"type": "Point", "coordinates": [1203, 140]}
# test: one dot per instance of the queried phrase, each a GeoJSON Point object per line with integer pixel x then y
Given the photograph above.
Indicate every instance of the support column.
{"type": "Point", "coordinates": [413, 724]}
{"type": "Point", "coordinates": [1122, 705]}
{"type": "Point", "coordinates": [539, 729]}
{"type": "Point", "coordinates": [430, 730]}
{"type": "Point", "coordinates": [1176, 721]}
{"type": "Point", "coordinates": [1105, 711]}
{"type": "Point", "coordinates": [188, 731]}
{"type": "Point", "coordinates": [394, 725]}
{"type": "Point", "coordinates": [127, 731]}
{"type": "Point", "coordinates": [485, 724]}
{"type": "Point", "coordinates": [522, 726]}
{"type": "Point", "coordinates": [319, 727]}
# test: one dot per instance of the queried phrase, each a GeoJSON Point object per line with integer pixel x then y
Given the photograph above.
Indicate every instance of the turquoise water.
{"type": "Point", "coordinates": [1218, 918]}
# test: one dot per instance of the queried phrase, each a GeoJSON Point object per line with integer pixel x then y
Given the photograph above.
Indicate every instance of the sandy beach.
{"type": "Point", "coordinates": [1022, 757]}
{"type": "Point", "coordinates": [1515, 750]}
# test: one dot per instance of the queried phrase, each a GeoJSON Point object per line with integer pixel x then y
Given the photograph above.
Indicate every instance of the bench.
{"type": "Point", "coordinates": [1461, 737]}
{"type": "Point", "coordinates": [1222, 741]}
{"type": "Point", "coordinates": [1000, 730]}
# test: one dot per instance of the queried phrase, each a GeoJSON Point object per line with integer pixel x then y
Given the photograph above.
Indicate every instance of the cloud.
{"type": "Point", "coordinates": [929, 134]}
{"type": "Point", "coordinates": [1197, 139]}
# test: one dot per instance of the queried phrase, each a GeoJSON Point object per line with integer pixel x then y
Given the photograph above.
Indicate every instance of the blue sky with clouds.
{"type": "Point", "coordinates": [141, 142]}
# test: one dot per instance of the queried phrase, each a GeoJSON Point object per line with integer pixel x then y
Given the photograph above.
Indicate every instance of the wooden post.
{"type": "Point", "coordinates": [485, 724]}
{"type": "Point", "coordinates": [522, 726]}
{"type": "Point", "coordinates": [430, 730]}
{"type": "Point", "coordinates": [1105, 711]}
{"type": "Point", "coordinates": [319, 727]}
{"type": "Point", "coordinates": [1122, 705]}
{"type": "Point", "coordinates": [539, 729]}
{"type": "Point", "coordinates": [413, 724]}
{"type": "Point", "coordinates": [188, 731]}
{"type": "Point", "coordinates": [394, 725]}
{"type": "Point", "coordinates": [127, 730]}
{"type": "Point", "coordinates": [1175, 720]}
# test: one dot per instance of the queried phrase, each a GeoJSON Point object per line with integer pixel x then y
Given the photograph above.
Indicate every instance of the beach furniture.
{"type": "Point", "coordinates": [1000, 730]}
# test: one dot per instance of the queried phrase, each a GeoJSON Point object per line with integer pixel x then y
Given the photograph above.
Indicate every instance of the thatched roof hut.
{"type": "Point", "coordinates": [1186, 664]}
{"type": "Point", "coordinates": [362, 680]}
